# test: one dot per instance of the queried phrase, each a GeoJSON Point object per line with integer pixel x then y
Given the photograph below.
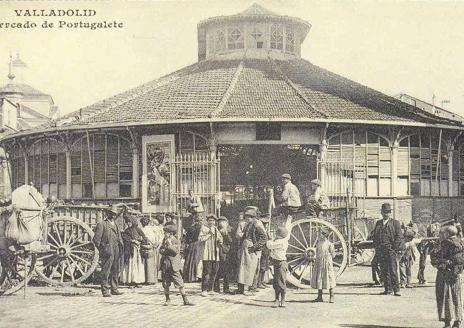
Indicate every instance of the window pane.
{"type": "Point", "coordinates": [290, 40]}
{"type": "Point", "coordinates": [277, 38]}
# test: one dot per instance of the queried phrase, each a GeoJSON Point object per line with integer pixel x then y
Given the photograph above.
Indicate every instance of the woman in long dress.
{"type": "Point", "coordinates": [194, 250]}
{"type": "Point", "coordinates": [323, 274]}
{"type": "Point", "coordinates": [133, 272]}
{"type": "Point", "coordinates": [153, 232]}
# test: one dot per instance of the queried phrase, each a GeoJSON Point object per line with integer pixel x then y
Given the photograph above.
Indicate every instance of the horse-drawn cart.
{"type": "Point", "coordinates": [346, 231]}
{"type": "Point", "coordinates": [57, 246]}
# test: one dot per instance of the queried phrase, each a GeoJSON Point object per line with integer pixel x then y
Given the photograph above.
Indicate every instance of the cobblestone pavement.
{"type": "Point", "coordinates": [357, 305]}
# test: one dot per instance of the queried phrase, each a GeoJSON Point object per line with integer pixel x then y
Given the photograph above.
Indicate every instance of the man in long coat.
{"type": "Point", "coordinates": [389, 244]}
{"type": "Point", "coordinates": [253, 240]}
{"type": "Point", "coordinates": [108, 241]}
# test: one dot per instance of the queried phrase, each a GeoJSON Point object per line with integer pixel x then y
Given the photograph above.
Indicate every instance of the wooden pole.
{"type": "Point", "coordinates": [348, 224]}
{"type": "Point", "coordinates": [91, 164]}
{"type": "Point", "coordinates": [438, 157]}
{"type": "Point", "coordinates": [25, 276]}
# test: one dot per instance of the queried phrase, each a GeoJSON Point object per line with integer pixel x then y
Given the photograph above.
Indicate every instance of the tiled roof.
{"type": "Point", "coordinates": [25, 89]}
{"type": "Point", "coordinates": [252, 89]}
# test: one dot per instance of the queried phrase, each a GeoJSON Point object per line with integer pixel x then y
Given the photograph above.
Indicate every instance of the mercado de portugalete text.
{"type": "Point", "coordinates": [62, 24]}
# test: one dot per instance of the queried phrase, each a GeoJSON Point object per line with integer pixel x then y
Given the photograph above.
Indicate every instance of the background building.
{"type": "Point", "coordinates": [22, 107]}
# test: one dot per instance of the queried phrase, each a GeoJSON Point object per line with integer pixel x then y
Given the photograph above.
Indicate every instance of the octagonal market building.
{"type": "Point", "coordinates": [227, 126]}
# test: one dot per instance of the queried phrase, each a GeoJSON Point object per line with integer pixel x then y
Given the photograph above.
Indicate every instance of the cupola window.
{"type": "Point", "coordinates": [220, 41]}
{"type": "Point", "coordinates": [290, 40]}
{"type": "Point", "coordinates": [277, 37]}
{"type": "Point", "coordinates": [235, 39]}
{"type": "Point", "coordinates": [258, 37]}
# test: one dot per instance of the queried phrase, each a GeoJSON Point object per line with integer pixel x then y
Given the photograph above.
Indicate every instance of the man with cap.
{"type": "Point", "coordinates": [318, 200]}
{"type": "Point", "coordinates": [290, 194]}
{"type": "Point", "coordinates": [171, 264]}
{"type": "Point", "coordinates": [278, 254]}
{"type": "Point", "coordinates": [264, 258]}
{"type": "Point", "coordinates": [225, 256]}
{"type": "Point", "coordinates": [253, 240]}
{"type": "Point", "coordinates": [212, 238]}
{"type": "Point", "coordinates": [389, 244]}
{"type": "Point", "coordinates": [108, 241]}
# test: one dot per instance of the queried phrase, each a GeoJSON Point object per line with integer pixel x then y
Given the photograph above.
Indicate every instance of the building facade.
{"type": "Point", "coordinates": [226, 128]}
{"type": "Point", "coordinates": [22, 107]}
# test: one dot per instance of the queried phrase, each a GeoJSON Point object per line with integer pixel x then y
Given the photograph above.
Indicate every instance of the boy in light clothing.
{"type": "Point", "coordinates": [278, 254]}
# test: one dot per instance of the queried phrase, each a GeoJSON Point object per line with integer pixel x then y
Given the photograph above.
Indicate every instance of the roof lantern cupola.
{"type": "Point", "coordinates": [254, 33]}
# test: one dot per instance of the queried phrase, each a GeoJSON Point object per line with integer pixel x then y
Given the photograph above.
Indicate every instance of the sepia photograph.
{"type": "Point", "coordinates": [213, 163]}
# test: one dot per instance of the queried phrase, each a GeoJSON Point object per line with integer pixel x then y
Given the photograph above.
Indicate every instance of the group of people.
{"type": "Point", "coordinates": [395, 246]}
{"type": "Point", "coordinates": [212, 252]}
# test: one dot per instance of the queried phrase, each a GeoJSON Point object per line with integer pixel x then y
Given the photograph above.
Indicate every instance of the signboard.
{"type": "Point", "coordinates": [157, 175]}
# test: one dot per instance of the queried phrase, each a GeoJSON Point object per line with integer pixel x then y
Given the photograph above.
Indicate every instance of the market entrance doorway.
{"type": "Point", "coordinates": [248, 171]}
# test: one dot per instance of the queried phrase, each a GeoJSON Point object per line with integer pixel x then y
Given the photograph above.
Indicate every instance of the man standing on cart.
{"type": "Point", "coordinates": [389, 244]}
{"type": "Point", "coordinates": [291, 201]}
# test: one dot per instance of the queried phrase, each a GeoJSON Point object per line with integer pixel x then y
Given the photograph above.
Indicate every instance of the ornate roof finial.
{"type": "Point", "coordinates": [11, 76]}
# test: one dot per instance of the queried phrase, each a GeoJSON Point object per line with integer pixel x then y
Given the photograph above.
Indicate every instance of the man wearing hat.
{"type": "Point", "coordinates": [212, 239]}
{"type": "Point", "coordinates": [389, 244]}
{"type": "Point", "coordinates": [225, 256]}
{"type": "Point", "coordinates": [290, 194]}
{"type": "Point", "coordinates": [108, 241]}
{"type": "Point", "coordinates": [253, 240]}
{"type": "Point", "coordinates": [171, 264]}
{"type": "Point", "coordinates": [318, 200]}
{"type": "Point", "coordinates": [264, 258]}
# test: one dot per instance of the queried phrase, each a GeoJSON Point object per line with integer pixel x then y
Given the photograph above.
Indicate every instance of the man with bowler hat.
{"type": "Point", "coordinates": [108, 241]}
{"type": "Point", "coordinates": [389, 244]}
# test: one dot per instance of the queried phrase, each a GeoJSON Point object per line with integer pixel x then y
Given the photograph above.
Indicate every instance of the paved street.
{"type": "Point", "coordinates": [357, 305]}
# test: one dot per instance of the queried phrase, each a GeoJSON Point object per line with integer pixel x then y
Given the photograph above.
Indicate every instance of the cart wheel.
{"type": "Point", "coordinates": [360, 256]}
{"type": "Point", "coordinates": [72, 257]}
{"type": "Point", "coordinates": [13, 271]}
{"type": "Point", "coordinates": [302, 250]}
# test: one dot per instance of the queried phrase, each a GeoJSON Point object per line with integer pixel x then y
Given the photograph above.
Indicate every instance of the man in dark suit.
{"type": "Point", "coordinates": [171, 264]}
{"type": "Point", "coordinates": [108, 241]}
{"type": "Point", "coordinates": [389, 244]}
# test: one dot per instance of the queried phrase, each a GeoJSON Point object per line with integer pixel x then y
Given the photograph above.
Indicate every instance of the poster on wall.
{"type": "Point", "coordinates": [157, 178]}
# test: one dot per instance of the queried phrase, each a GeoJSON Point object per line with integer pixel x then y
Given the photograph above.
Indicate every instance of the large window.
{"type": "Point", "coordinates": [234, 39]}
{"type": "Point", "coordinates": [258, 38]}
{"type": "Point", "coordinates": [277, 37]}
{"type": "Point", "coordinates": [220, 42]}
{"type": "Point", "coordinates": [46, 167]}
{"type": "Point", "coordinates": [359, 161]}
{"type": "Point", "coordinates": [290, 40]}
{"type": "Point", "coordinates": [429, 172]}
{"type": "Point", "coordinates": [101, 167]}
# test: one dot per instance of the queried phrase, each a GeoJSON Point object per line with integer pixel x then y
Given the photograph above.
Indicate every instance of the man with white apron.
{"type": "Point", "coordinates": [253, 240]}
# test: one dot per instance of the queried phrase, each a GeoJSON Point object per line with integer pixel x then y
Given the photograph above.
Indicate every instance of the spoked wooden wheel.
{"type": "Point", "coordinates": [72, 257]}
{"type": "Point", "coordinates": [360, 256]}
{"type": "Point", "coordinates": [301, 250]}
{"type": "Point", "coordinates": [15, 268]}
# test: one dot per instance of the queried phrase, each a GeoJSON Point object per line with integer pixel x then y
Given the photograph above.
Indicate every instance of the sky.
{"type": "Point", "coordinates": [393, 46]}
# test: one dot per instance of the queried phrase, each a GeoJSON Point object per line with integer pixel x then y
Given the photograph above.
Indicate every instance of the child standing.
{"type": "Point", "coordinates": [278, 254]}
{"type": "Point", "coordinates": [323, 274]}
{"type": "Point", "coordinates": [170, 263]}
